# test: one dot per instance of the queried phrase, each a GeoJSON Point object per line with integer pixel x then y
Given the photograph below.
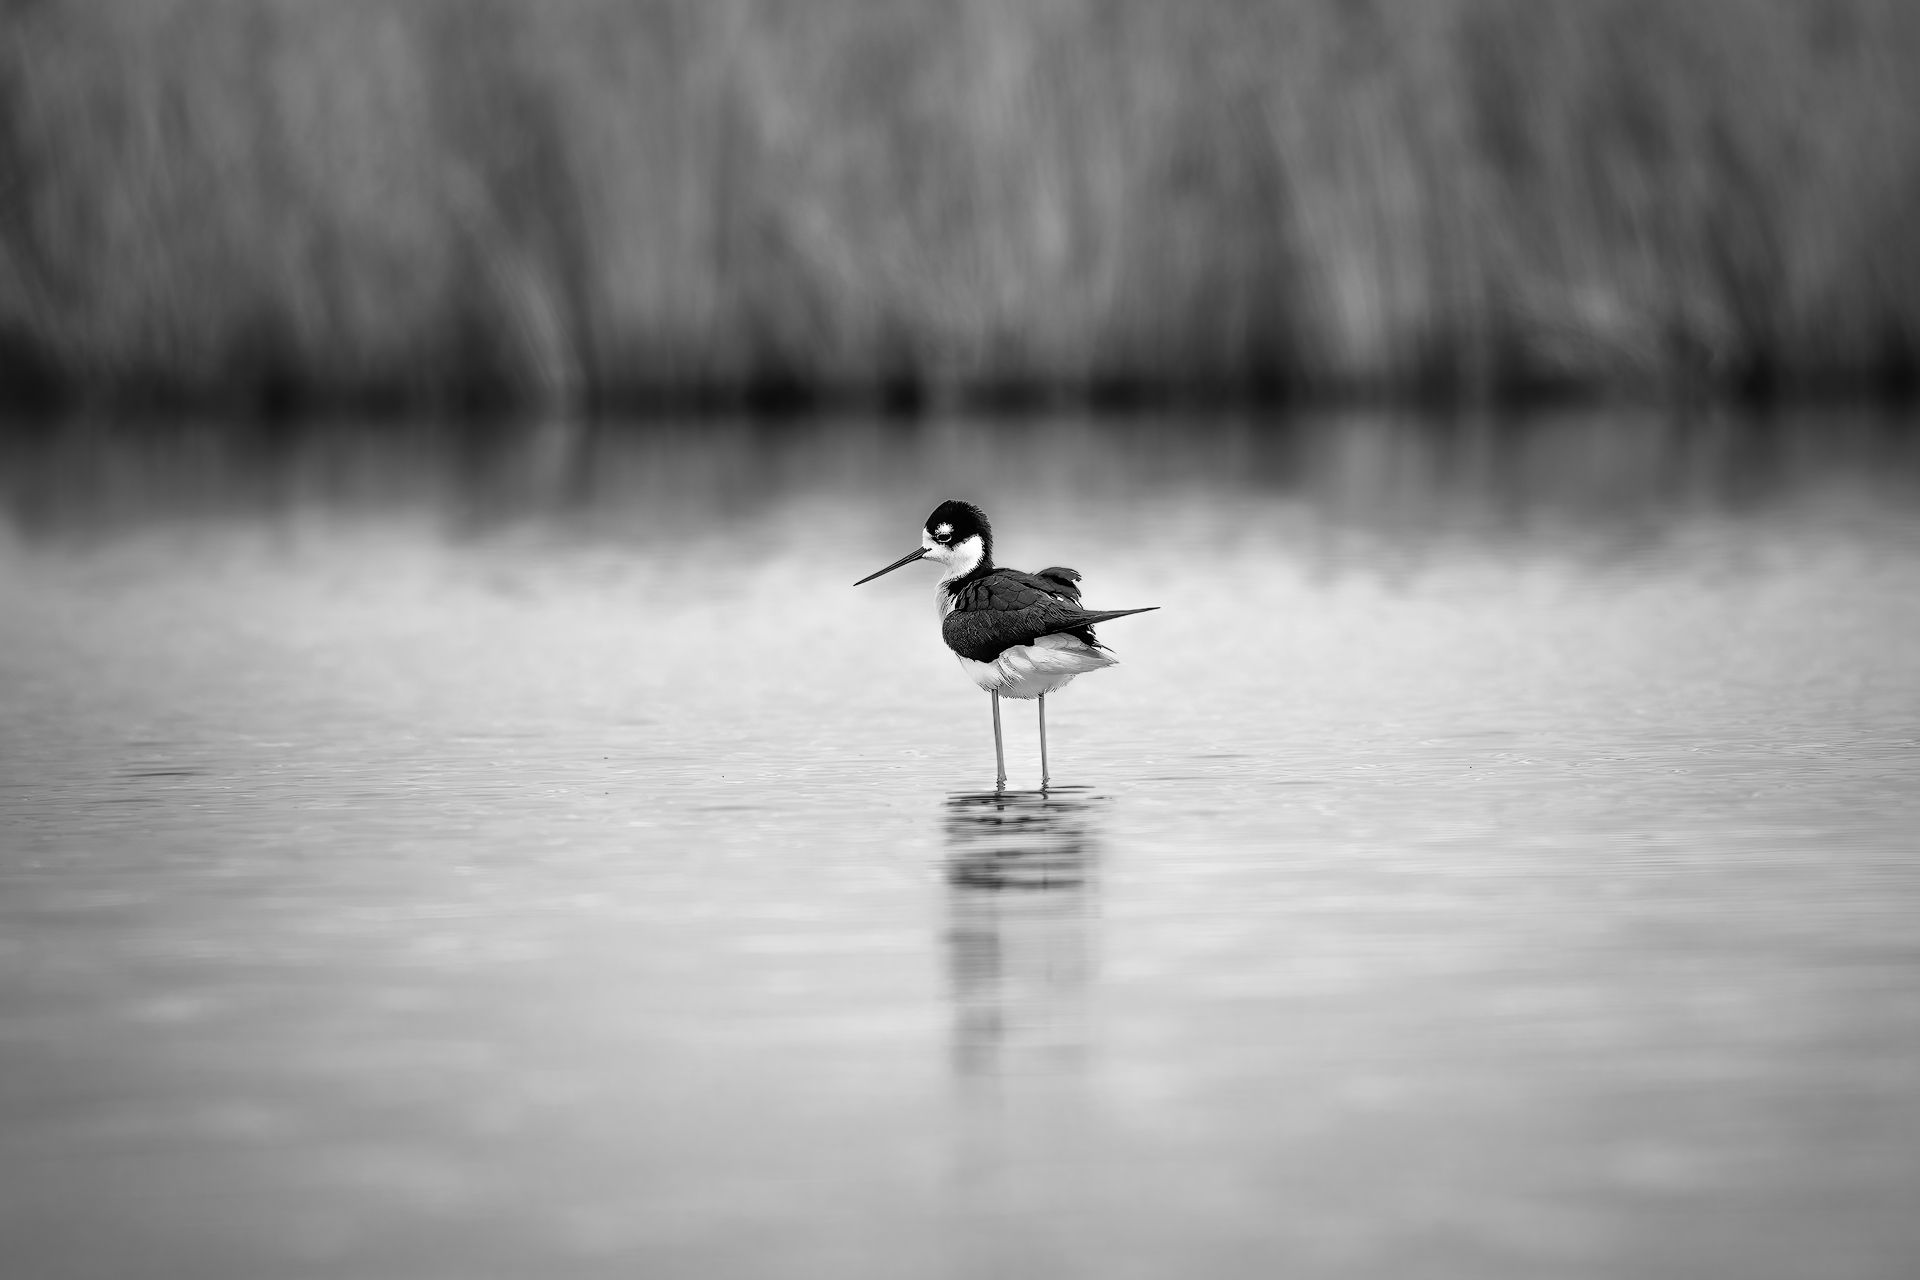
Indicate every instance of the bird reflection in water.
{"type": "Point", "coordinates": [1020, 891]}
{"type": "Point", "coordinates": [1022, 874]}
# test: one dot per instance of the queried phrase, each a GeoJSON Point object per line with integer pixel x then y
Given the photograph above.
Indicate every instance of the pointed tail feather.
{"type": "Point", "coordinates": [1089, 618]}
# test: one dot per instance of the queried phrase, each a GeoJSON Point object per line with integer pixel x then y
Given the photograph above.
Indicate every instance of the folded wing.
{"type": "Point", "coordinates": [1006, 608]}
{"type": "Point", "coordinates": [1060, 581]}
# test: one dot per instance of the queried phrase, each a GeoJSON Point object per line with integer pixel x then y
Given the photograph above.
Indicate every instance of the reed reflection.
{"type": "Point", "coordinates": [1561, 476]}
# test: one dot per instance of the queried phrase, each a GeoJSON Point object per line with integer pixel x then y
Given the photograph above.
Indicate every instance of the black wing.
{"type": "Point", "coordinates": [1063, 582]}
{"type": "Point", "coordinates": [1004, 608]}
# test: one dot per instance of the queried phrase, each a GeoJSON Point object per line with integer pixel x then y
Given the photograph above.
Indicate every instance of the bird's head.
{"type": "Point", "coordinates": [956, 536]}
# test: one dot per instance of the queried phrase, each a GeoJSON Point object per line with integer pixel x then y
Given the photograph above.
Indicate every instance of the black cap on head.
{"type": "Point", "coordinates": [955, 521]}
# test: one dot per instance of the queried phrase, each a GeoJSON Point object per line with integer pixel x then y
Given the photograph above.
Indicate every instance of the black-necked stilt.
{"type": "Point", "coordinates": [1019, 634]}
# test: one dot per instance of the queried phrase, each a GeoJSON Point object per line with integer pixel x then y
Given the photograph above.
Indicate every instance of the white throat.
{"type": "Point", "coordinates": [956, 560]}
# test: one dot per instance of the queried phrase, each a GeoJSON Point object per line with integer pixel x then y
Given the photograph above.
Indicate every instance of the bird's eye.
{"type": "Point", "coordinates": [943, 537]}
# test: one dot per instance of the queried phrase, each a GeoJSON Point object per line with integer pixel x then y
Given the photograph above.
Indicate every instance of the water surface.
{"type": "Point", "coordinates": [439, 852]}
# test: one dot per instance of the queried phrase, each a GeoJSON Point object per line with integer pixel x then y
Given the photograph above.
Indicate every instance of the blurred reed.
{"type": "Point", "coordinates": [464, 201]}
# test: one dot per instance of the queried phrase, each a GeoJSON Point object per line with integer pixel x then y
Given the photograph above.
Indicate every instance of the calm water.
{"type": "Point", "coordinates": [521, 853]}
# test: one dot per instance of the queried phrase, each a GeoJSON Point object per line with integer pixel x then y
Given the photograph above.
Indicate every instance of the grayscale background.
{"type": "Point", "coordinates": [458, 822]}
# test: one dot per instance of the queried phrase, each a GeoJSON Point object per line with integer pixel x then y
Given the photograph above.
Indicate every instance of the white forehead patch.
{"type": "Point", "coordinates": [943, 528]}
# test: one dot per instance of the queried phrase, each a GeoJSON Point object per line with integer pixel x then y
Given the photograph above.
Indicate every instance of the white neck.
{"type": "Point", "coordinates": [957, 560]}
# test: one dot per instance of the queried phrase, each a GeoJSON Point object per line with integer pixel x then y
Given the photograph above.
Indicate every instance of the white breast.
{"type": "Point", "coordinates": [1031, 670]}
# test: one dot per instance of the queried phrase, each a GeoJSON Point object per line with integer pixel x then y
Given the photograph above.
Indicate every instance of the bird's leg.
{"type": "Point", "coordinates": [1043, 742]}
{"type": "Point", "coordinates": [999, 752]}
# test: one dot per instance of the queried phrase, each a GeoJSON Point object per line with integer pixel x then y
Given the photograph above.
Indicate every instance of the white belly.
{"type": "Point", "coordinates": [1031, 670]}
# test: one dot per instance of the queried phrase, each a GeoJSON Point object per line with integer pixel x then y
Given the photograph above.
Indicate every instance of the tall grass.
{"type": "Point", "coordinates": [446, 200]}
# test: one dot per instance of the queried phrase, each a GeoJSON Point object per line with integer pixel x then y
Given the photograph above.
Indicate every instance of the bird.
{"type": "Point", "coordinates": [1017, 635]}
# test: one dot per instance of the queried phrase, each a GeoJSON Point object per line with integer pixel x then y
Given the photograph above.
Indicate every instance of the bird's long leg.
{"type": "Point", "coordinates": [1043, 742]}
{"type": "Point", "coordinates": [999, 752]}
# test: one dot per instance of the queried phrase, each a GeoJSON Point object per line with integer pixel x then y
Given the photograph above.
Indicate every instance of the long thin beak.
{"type": "Point", "coordinates": [908, 559]}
